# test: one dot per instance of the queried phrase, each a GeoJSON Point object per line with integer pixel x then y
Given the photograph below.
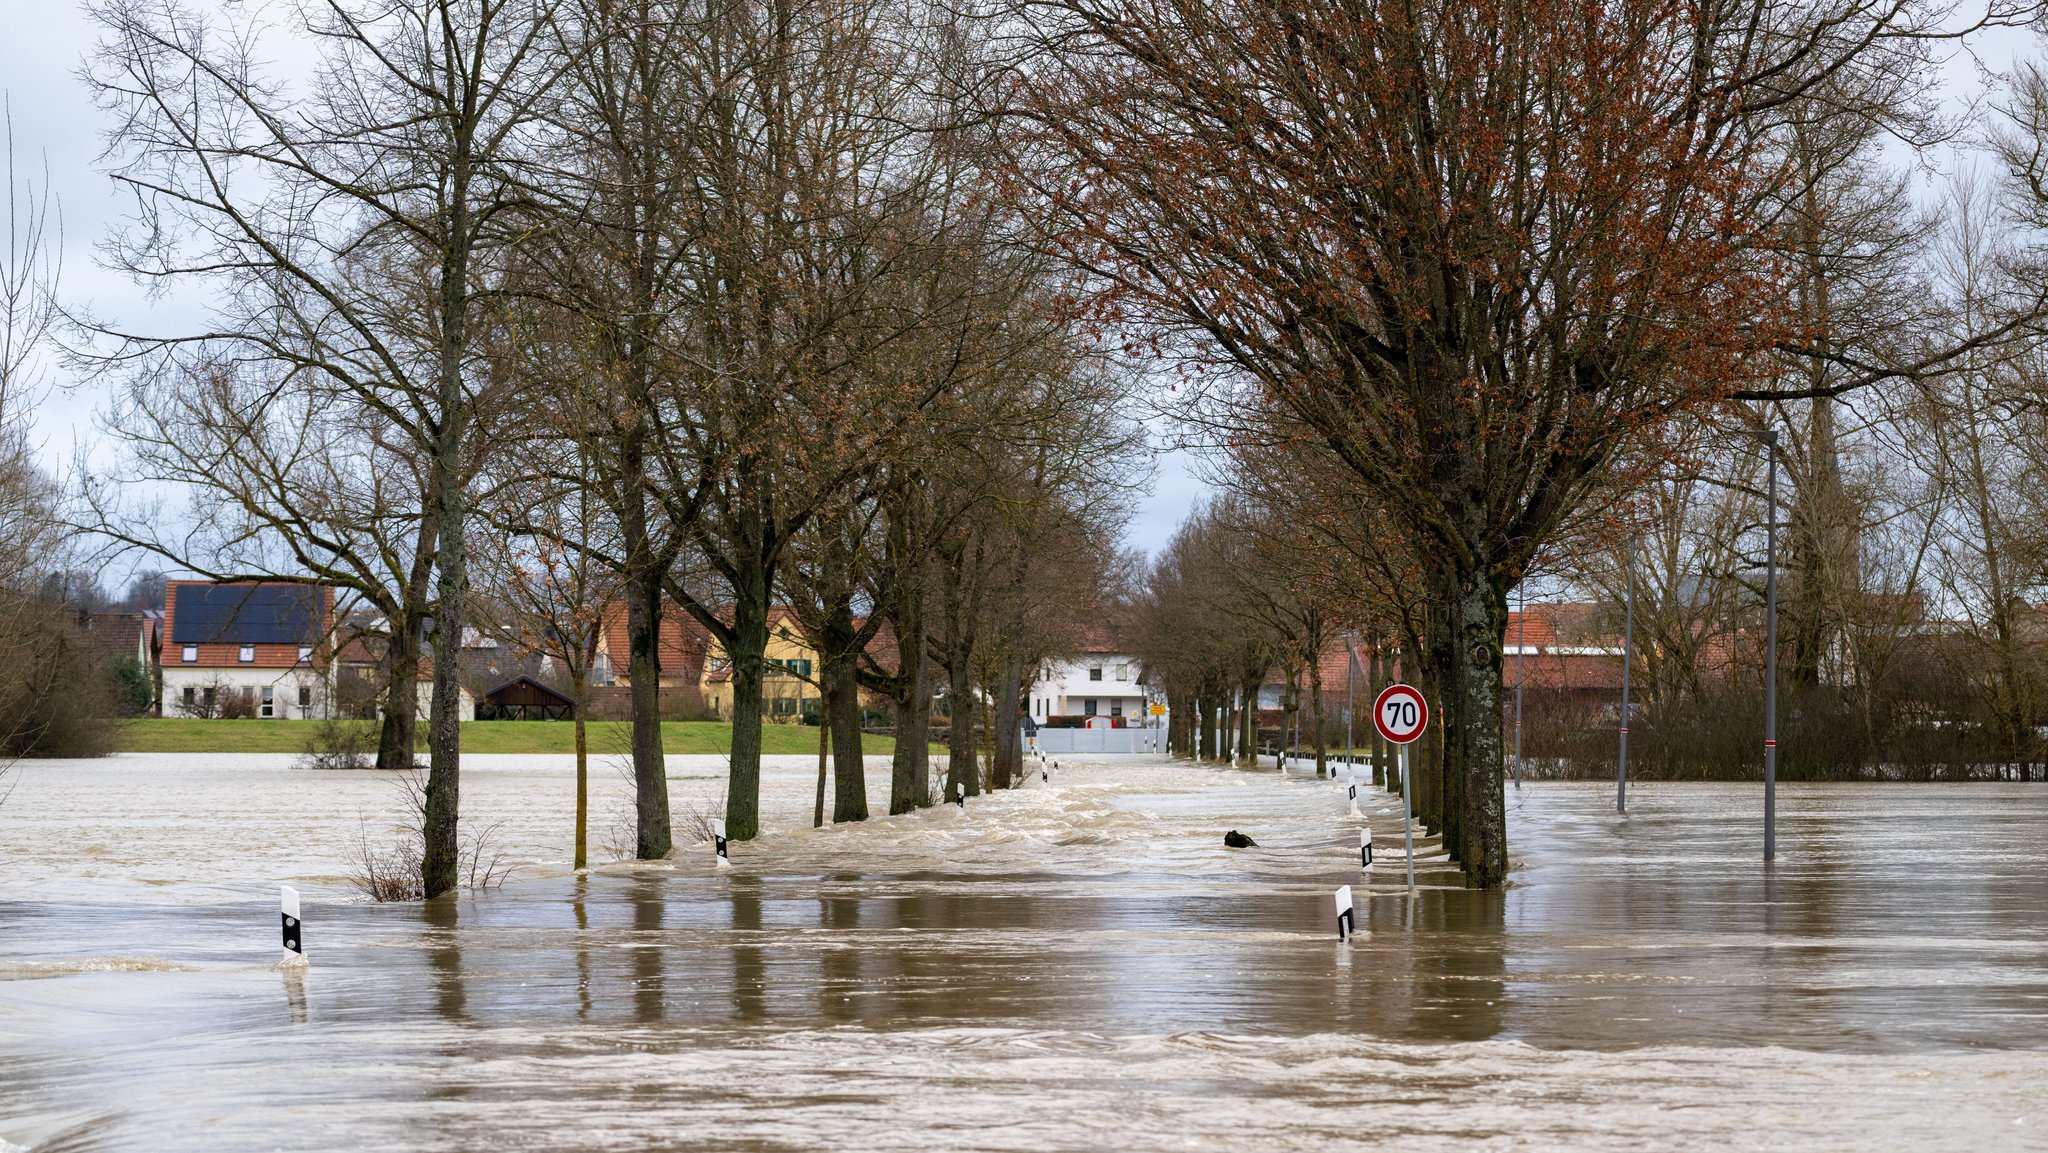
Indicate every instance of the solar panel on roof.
{"type": "Point", "coordinates": [246, 614]}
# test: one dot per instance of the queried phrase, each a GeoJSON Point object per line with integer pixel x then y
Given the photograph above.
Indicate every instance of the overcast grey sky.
{"type": "Point", "coordinates": [54, 121]}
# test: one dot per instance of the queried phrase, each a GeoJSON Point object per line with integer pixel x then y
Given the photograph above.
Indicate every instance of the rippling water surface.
{"type": "Point", "coordinates": [1074, 965]}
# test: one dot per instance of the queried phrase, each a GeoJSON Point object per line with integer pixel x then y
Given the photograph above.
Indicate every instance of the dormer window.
{"type": "Point", "coordinates": [247, 655]}
{"type": "Point", "coordinates": [305, 654]}
{"type": "Point", "coordinates": [190, 655]}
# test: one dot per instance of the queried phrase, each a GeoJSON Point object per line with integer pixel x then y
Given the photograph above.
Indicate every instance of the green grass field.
{"type": "Point", "coordinates": [184, 735]}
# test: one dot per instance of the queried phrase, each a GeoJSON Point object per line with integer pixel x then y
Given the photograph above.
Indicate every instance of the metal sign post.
{"type": "Point", "coordinates": [1401, 715]}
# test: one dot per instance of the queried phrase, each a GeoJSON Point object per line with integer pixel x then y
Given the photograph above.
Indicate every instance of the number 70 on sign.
{"type": "Point", "coordinates": [1400, 714]}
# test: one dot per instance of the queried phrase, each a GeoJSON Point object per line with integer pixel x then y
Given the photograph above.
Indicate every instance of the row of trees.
{"type": "Point", "coordinates": [796, 297]}
{"type": "Point", "coordinates": [1460, 289]}
{"type": "Point", "coordinates": [524, 308]}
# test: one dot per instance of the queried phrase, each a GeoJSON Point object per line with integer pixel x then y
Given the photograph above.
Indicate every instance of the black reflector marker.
{"type": "Point", "coordinates": [288, 909]}
{"type": "Point", "coordinates": [1347, 924]}
{"type": "Point", "coordinates": [718, 844]}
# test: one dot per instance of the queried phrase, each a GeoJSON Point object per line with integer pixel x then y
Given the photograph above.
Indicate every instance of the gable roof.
{"type": "Point", "coordinates": [524, 690]}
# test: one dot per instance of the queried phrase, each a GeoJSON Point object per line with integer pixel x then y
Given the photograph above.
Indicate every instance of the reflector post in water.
{"type": "Point", "coordinates": [288, 911]}
{"type": "Point", "coordinates": [718, 844]}
{"type": "Point", "coordinates": [960, 793]}
{"type": "Point", "coordinates": [1365, 847]}
{"type": "Point", "coordinates": [1347, 924]}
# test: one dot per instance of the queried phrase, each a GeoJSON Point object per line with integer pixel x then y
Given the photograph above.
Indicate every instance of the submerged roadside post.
{"type": "Point", "coordinates": [288, 912]}
{"type": "Point", "coordinates": [1400, 714]}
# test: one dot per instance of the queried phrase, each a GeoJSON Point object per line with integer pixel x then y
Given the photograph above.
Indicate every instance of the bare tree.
{"type": "Point", "coordinates": [347, 228]}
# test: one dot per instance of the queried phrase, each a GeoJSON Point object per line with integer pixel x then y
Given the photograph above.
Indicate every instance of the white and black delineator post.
{"type": "Point", "coordinates": [960, 793]}
{"type": "Point", "coordinates": [288, 910]}
{"type": "Point", "coordinates": [1365, 847]}
{"type": "Point", "coordinates": [1351, 788]}
{"type": "Point", "coordinates": [718, 844]}
{"type": "Point", "coordinates": [1347, 921]}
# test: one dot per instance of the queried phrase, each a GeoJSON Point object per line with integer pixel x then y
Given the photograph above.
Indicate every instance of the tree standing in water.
{"type": "Point", "coordinates": [1480, 251]}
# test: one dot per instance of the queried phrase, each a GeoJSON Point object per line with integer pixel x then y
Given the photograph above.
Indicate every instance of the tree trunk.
{"type": "Point", "coordinates": [440, 860]}
{"type": "Point", "coordinates": [1375, 681]}
{"type": "Point", "coordinates": [824, 746]}
{"type": "Point", "coordinates": [579, 683]}
{"type": "Point", "coordinates": [910, 766]}
{"type": "Point", "coordinates": [842, 700]}
{"type": "Point", "coordinates": [1469, 669]}
{"type": "Point", "coordinates": [1315, 682]}
{"type": "Point", "coordinates": [1248, 722]}
{"type": "Point", "coordinates": [961, 769]}
{"type": "Point", "coordinates": [748, 652]}
{"type": "Point", "coordinates": [398, 735]}
{"type": "Point", "coordinates": [1008, 735]}
{"type": "Point", "coordinates": [652, 830]}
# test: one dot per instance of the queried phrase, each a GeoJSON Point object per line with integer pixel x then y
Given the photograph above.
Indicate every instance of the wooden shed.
{"type": "Point", "coordinates": [525, 699]}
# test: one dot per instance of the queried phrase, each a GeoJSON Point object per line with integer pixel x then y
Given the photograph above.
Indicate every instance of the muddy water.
{"type": "Point", "coordinates": [1075, 965]}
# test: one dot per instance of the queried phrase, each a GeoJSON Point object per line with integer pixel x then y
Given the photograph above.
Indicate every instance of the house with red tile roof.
{"type": "Point", "coordinates": [254, 648]}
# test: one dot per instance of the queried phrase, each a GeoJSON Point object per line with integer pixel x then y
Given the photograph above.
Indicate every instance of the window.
{"type": "Point", "coordinates": [188, 698]}
{"type": "Point", "coordinates": [305, 696]}
{"type": "Point", "coordinates": [247, 654]}
{"type": "Point", "coordinates": [784, 706]}
{"type": "Point", "coordinates": [1123, 672]}
{"type": "Point", "coordinates": [1089, 707]}
{"type": "Point", "coordinates": [305, 654]}
{"type": "Point", "coordinates": [1116, 710]}
{"type": "Point", "coordinates": [1095, 674]}
{"type": "Point", "coordinates": [799, 666]}
{"type": "Point", "coordinates": [191, 654]}
{"type": "Point", "coordinates": [269, 702]}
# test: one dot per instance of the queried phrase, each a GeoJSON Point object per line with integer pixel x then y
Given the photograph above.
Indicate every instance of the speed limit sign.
{"type": "Point", "coordinates": [1400, 714]}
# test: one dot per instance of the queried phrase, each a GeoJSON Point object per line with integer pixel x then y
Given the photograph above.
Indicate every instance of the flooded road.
{"type": "Point", "coordinates": [1074, 965]}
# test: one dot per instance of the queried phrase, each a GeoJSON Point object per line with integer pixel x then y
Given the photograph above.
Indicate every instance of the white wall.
{"type": "Point", "coordinates": [1063, 687]}
{"type": "Point", "coordinates": [426, 702]}
{"type": "Point", "coordinates": [283, 683]}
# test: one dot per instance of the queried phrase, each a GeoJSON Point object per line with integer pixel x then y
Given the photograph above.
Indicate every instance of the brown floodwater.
{"type": "Point", "coordinates": [1073, 965]}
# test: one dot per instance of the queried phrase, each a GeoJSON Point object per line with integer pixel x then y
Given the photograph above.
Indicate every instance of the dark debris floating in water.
{"type": "Point", "coordinates": [1236, 840]}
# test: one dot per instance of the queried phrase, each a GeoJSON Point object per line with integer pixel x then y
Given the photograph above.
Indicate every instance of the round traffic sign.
{"type": "Point", "coordinates": [1400, 713]}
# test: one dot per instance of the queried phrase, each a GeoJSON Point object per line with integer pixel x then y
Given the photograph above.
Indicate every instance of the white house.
{"type": "Point", "coordinates": [1099, 682]}
{"type": "Point", "coordinates": [257, 649]}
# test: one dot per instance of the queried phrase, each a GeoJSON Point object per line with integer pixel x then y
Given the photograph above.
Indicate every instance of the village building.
{"type": "Point", "coordinates": [1102, 679]}
{"type": "Point", "coordinates": [246, 649]}
{"type": "Point", "coordinates": [121, 645]}
{"type": "Point", "coordinates": [789, 686]}
{"type": "Point", "coordinates": [680, 646]}
{"type": "Point", "coordinates": [360, 673]}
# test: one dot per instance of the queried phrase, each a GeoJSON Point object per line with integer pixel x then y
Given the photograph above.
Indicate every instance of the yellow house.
{"type": "Point", "coordinates": [788, 689]}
